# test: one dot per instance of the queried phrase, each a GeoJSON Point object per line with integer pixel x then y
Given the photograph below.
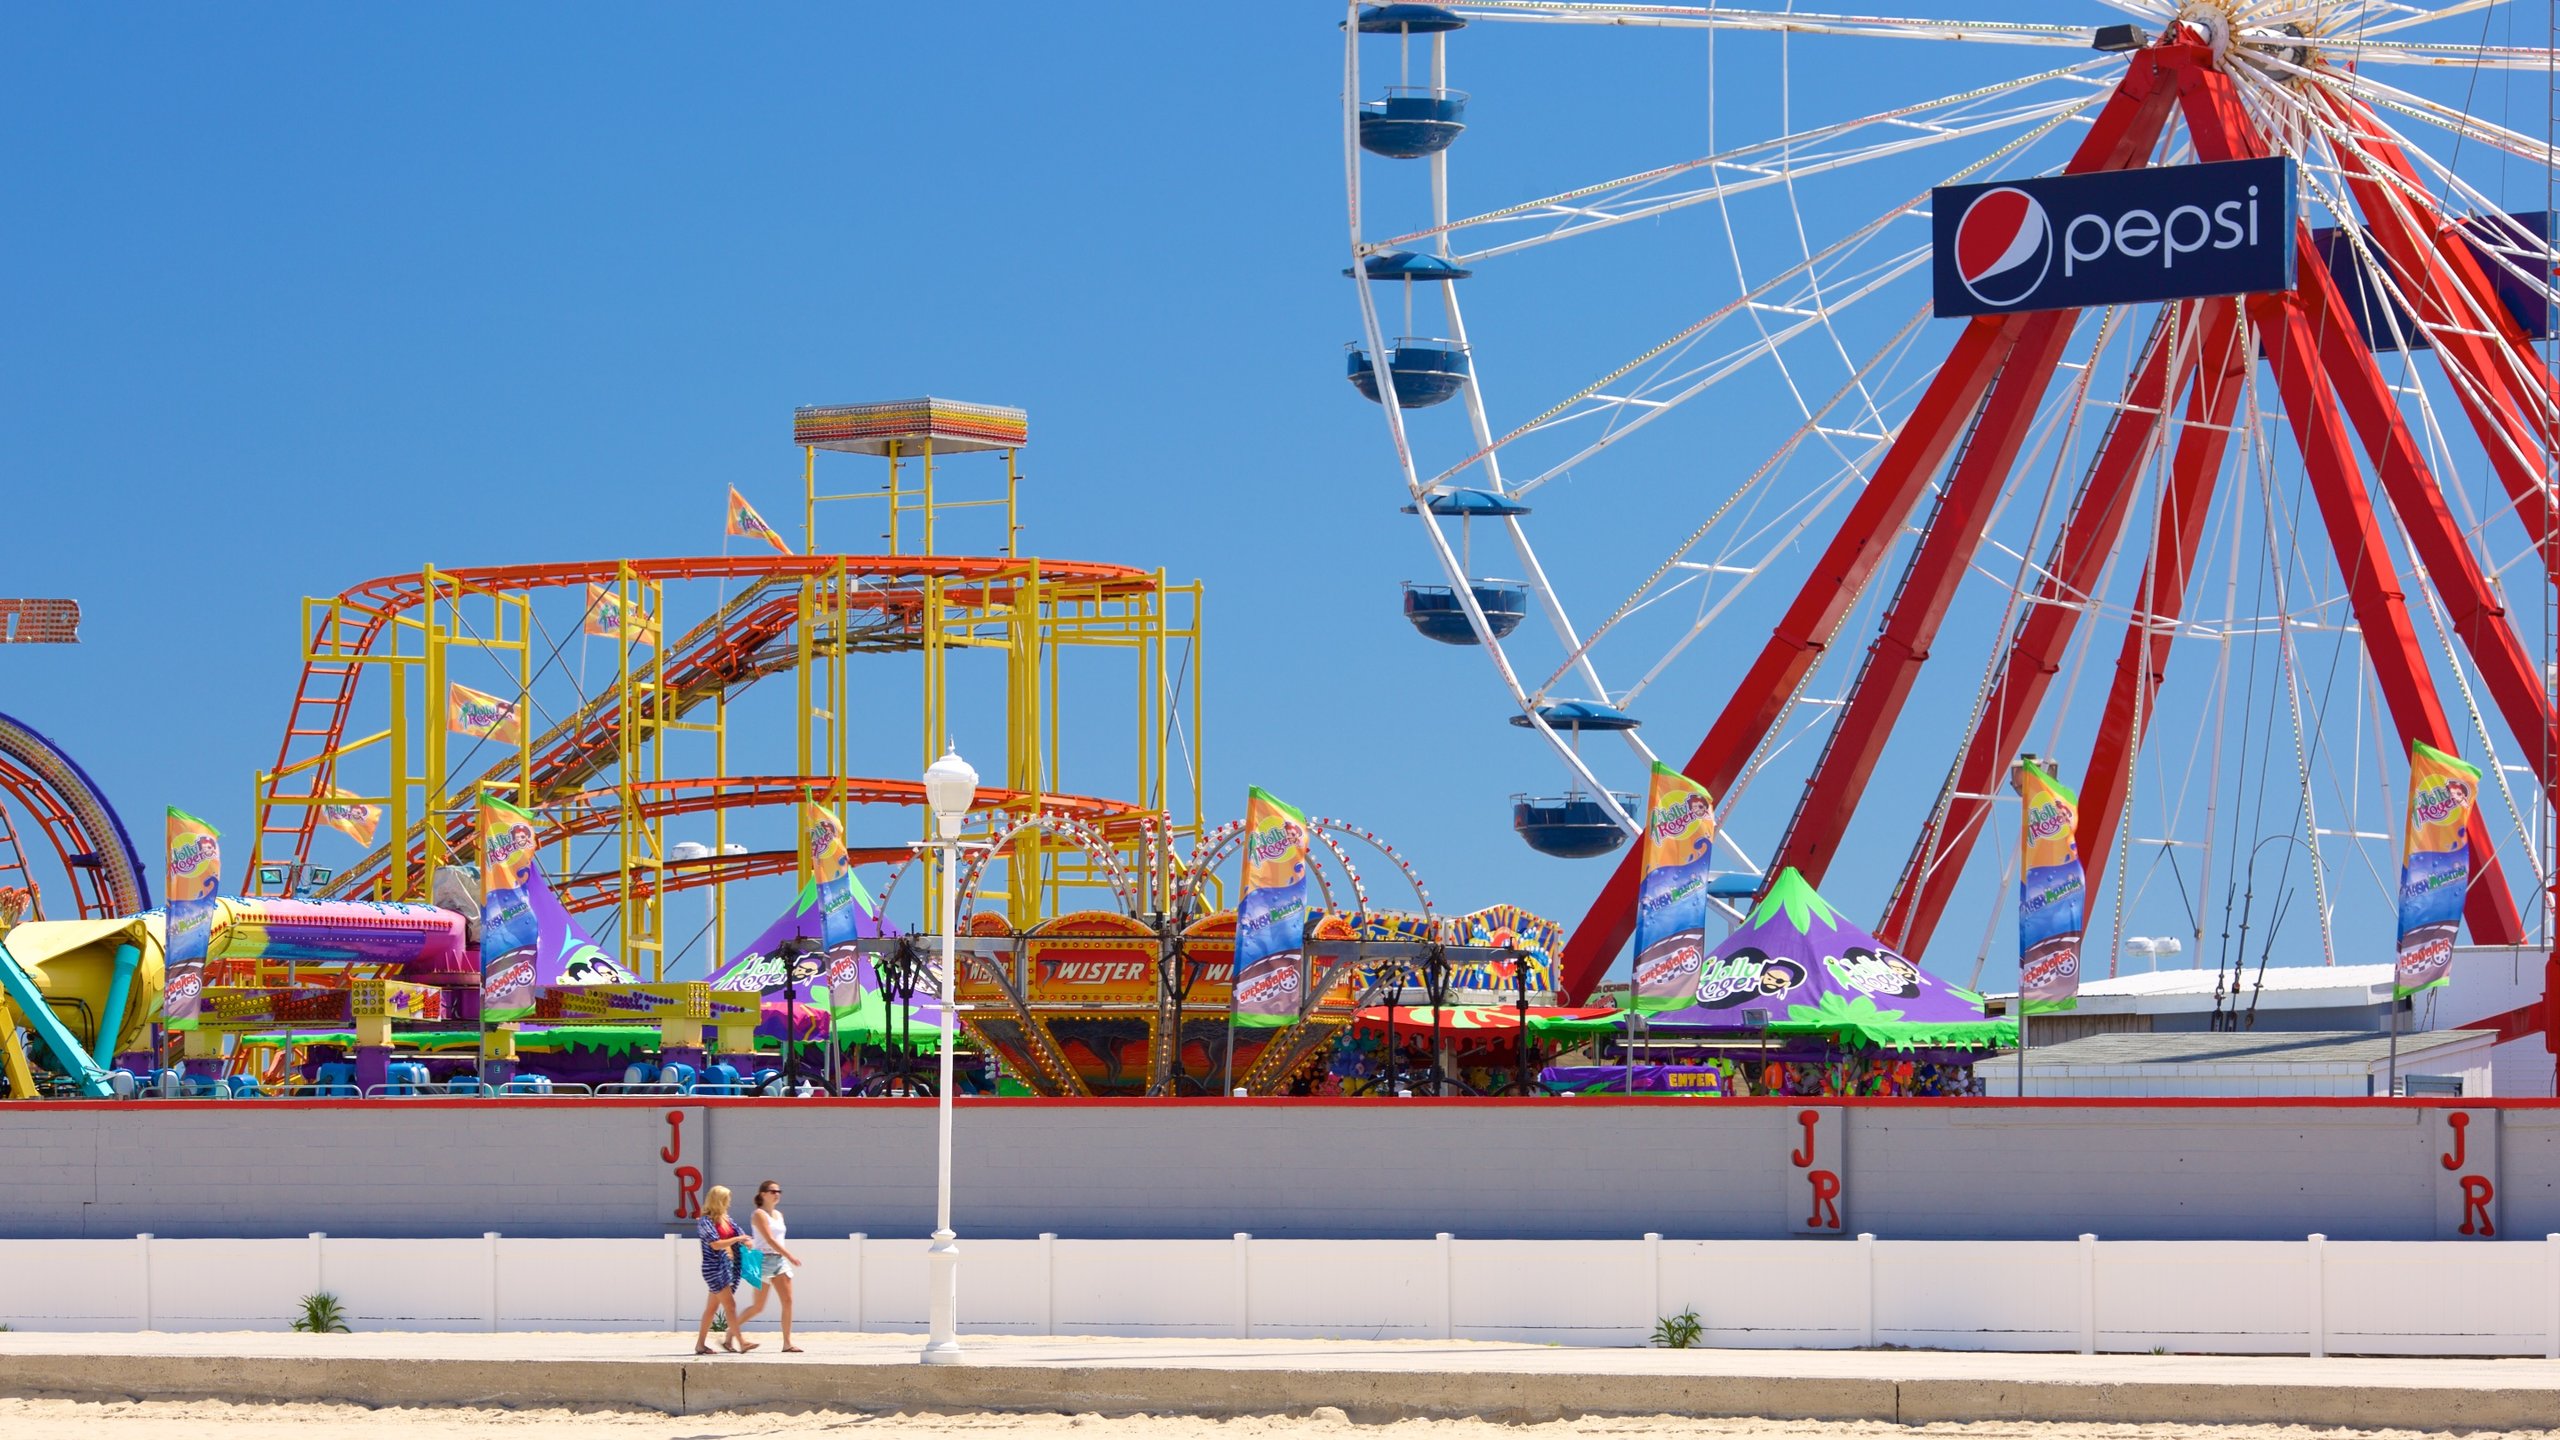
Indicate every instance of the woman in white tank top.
{"type": "Point", "coordinates": [772, 1236]}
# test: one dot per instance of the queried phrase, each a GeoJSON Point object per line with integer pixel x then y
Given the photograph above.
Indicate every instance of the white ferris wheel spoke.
{"type": "Point", "coordinates": [1615, 202]}
{"type": "Point", "coordinates": [1798, 22]}
{"type": "Point", "coordinates": [1758, 295]}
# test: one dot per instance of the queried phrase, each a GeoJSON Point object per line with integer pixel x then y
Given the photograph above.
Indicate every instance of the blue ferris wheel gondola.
{"type": "Point", "coordinates": [1412, 121]}
{"type": "Point", "coordinates": [1579, 716]}
{"type": "Point", "coordinates": [1426, 372]}
{"type": "Point", "coordinates": [1435, 610]}
{"type": "Point", "coordinates": [1570, 827]}
{"type": "Point", "coordinates": [1402, 19]}
{"type": "Point", "coordinates": [1410, 265]}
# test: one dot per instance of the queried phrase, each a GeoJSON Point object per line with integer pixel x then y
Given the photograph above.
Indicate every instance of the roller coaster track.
{"type": "Point", "coordinates": [107, 878]}
{"type": "Point", "coordinates": [592, 811]}
{"type": "Point", "coordinates": [735, 646]}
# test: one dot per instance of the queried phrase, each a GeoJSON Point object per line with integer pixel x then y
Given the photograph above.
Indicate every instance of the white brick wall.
{"type": "Point", "coordinates": [1561, 1169]}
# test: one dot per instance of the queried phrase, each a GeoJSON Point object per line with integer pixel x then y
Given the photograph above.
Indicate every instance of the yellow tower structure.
{"type": "Point", "coordinates": [605, 763]}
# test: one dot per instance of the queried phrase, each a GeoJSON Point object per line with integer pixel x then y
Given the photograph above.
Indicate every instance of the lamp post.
{"type": "Point", "coordinates": [949, 787]}
{"type": "Point", "coordinates": [2152, 947]}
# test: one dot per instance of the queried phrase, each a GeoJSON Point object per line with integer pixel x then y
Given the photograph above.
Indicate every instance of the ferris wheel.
{"type": "Point", "coordinates": [1706, 479]}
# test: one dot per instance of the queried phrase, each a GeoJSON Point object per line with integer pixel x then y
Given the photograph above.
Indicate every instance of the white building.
{"type": "Point", "coordinates": [2343, 1064]}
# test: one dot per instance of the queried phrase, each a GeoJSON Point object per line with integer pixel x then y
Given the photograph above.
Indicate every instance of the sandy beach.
{"type": "Point", "coordinates": [218, 1420]}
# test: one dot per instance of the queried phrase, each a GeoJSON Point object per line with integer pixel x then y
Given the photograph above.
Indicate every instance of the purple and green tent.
{"type": "Point", "coordinates": [1814, 972]}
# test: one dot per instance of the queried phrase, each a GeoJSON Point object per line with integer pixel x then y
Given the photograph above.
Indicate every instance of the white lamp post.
{"type": "Point", "coordinates": [2153, 947]}
{"type": "Point", "coordinates": [949, 788]}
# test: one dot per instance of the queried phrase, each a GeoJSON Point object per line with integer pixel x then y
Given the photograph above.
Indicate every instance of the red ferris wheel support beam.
{"type": "Point", "coordinates": [2373, 583]}
{"type": "Point", "coordinates": [2304, 378]}
{"type": "Point", "coordinates": [2204, 344]}
{"type": "Point", "coordinates": [1919, 606]}
{"type": "Point", "coordinates": [2177, 532]}
{"type": "Point", "coordinates": [2122, 135]}
{"type": "Point", "coordinates": [2478, 613]}
{"type": "Point", "coordinates": [2505, 391]}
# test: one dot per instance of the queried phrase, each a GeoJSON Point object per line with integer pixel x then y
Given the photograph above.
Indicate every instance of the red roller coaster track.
{"type": "Point", "coordinates": [737, 647]}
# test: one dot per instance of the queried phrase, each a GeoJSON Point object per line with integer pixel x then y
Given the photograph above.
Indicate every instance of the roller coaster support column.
{"type": "Point", "coordinates": [2123, 134]}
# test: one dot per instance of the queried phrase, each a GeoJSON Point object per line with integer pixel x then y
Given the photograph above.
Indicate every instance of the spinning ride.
{"type": "Point", "coordinates": [2334, 501]}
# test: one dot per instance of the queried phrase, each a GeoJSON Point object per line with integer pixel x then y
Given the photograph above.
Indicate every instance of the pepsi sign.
{"type": "Point", "coordinates": [2116, 237]}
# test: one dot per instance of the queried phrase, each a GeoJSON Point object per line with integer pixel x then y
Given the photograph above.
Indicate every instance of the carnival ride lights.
{"type": "Point", "coordinates": [607, 764]}
{"type": "Point", "coordinates": [2292, 382]}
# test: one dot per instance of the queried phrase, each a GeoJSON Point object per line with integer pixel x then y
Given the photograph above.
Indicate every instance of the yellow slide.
{"type": "Point", "coordinates": [59, 979]}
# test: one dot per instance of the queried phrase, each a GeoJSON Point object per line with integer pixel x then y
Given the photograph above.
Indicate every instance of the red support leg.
{"type": "Point", "coordinates": [2124, 134]}
{"type": "Point", "coordinates": [2479, 615]}
{"type": "Point", "coordinates": [1892, 665]}
{"type": "Point", "coordinates": [2373, 583]}
{"type": "Point", "coordinates": [2504, 388]}
{"type": "Point", "coordinates": [2222, 132]}
{"type": "Point", "coordinates": [2177, 533]}
{"type": "Point", "coordinates": [2044, 631]}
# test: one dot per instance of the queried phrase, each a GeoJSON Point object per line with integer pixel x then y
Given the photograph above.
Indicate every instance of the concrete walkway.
{"type": "Point", "coordinates": [1372, 1380]}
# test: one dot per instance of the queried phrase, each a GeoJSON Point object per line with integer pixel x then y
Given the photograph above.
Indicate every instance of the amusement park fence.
{"type": "Point", "coordinates": [1370, 1170]}
{"type": "Point", "coordinates": [2222, 1297]}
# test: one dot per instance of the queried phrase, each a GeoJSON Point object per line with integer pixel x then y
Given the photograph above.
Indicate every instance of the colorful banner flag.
{"type": "Point", "coordinates": [482, 716]}
{"type": "Point", "coordinates": [1671, 901]}
{"type": "Point", "coordinates": [2435, 866]}
{"type": "Point", "coordinates": [351, 818]}
{"type": "Point", "coordinates": [830, 870]}
{"type": "Point", "coordinates": [743, 520]}
{"type": "Point", "coordinates": [605, 617]}
{"type": "Point", "coordinates": [195, 879]}
{"type": "Point", "coordinates": [510, 930]}
{"type": "Point", "coordinates": [1271, 916]}
{"type": "Point", "coordinates": [2052, 893]}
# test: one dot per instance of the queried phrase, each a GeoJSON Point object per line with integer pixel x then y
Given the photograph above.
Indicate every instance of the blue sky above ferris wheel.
{"type": "Point", "coordinates": [305, 294]}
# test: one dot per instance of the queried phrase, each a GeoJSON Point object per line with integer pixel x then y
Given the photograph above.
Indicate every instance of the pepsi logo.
{"type": "Point", "coordinates": [2004, 245]}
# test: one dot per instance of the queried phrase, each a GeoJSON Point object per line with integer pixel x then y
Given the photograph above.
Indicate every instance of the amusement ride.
{"type": "Point", "coordinates": [2218, 559]}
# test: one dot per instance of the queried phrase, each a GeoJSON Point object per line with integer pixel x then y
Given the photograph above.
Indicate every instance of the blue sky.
{"type": "Point", "coordinates": [299, 295]}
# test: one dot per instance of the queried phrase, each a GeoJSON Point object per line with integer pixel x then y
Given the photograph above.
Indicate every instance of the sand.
{"type": "Point", "coordinates": [218, 1420]}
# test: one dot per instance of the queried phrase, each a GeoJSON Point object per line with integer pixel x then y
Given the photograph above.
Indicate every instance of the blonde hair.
{"type": "Point", "coordinates": [715, 1203]}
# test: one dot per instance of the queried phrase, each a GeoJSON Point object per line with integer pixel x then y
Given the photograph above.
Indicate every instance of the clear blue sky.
{"type": "Point", "coordinates": [299, 295]}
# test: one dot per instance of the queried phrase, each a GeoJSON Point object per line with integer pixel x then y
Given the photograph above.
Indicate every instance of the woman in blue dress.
{"type": "Point", "coordinates": [721, 1238]}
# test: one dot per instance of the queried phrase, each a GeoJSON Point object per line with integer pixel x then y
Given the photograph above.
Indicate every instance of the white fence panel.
{"type": "Point", "coordinates": [1004, 1286]}
{"type": "Point", "coordinates": [72, 1284]}
{"type": "Point", "coordinates": [1762, 1293]}
{"type": "Point", "coordinates": [2227, 1297]}
{"type": "Point", "coordinates": [1599, 1292]}
{"type": "Point", "coordinates": [1159, 1287]}
{"type": "Point", "coordinates": [1347, 1289]}
{"type": "Point", "coordinates": [893, 1297]}
{"type": "Point", "coordinates": [409, 1284]}
{"type": "Point", "coordinates": [231, 1284]}
{"type": "Point", "coordinates": [587, 1284]}
{"type": "Point", "coordinates": [2415, 1297]}
{"type": "Point", "coordinates": [1979, 1295]}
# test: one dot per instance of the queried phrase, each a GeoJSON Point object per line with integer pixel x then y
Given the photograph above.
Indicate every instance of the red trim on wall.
{"type": "Point", "coordinates": [1684, 1102]}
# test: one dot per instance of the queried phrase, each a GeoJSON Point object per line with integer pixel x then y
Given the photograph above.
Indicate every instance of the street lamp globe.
{"type": "Point", "coordinates": [689, 850]}
{"type": "Point", "coordinates": [950, 785]}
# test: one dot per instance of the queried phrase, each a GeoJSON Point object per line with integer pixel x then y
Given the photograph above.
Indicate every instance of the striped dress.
{"type": "Point", "coordinates": [719, 1267]}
